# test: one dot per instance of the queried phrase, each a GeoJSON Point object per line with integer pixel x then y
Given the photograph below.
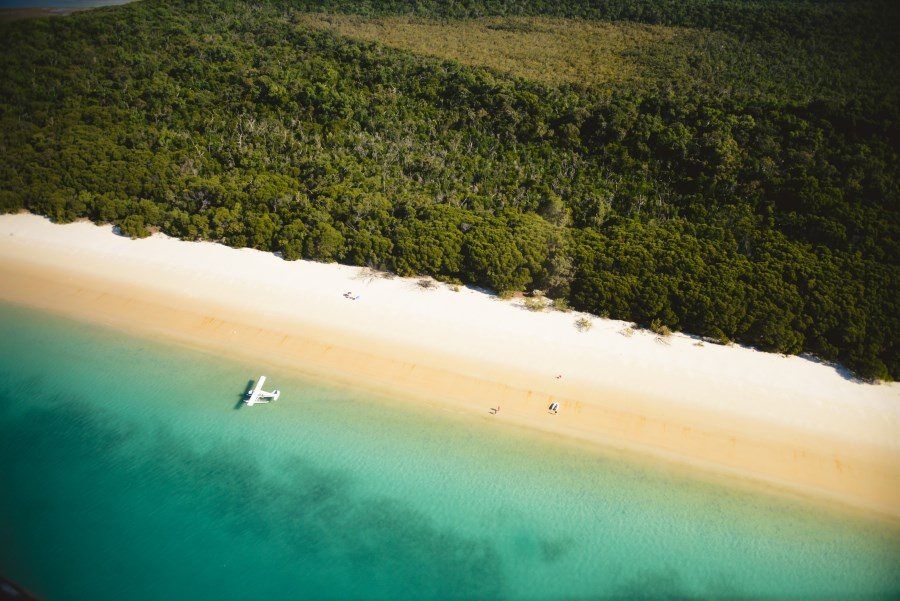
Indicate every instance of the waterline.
{"type": "Point", "coordinates": [127, 472]}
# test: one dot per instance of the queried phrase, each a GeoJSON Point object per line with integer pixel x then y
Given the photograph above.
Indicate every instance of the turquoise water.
{"type": "Point", "coordinates": [126, 472]}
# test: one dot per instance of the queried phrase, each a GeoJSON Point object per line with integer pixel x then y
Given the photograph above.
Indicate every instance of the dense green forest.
{"type": "Point", "coordinates": [747, 208]}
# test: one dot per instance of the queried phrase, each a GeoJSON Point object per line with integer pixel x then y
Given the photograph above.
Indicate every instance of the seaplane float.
{"type": "Point", "coordinates": [258, 396]}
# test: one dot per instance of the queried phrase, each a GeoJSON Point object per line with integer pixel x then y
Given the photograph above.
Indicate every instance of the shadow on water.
{"type": "Point", "coordinates": [247, 389]}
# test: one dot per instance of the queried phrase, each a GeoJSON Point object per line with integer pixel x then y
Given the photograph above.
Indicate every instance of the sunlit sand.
{"type": "Point", "coordinates": [788, 421]}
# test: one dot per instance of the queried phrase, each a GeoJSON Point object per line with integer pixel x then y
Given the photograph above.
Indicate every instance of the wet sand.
{"type": "Point", "coordinates": [789, 422]}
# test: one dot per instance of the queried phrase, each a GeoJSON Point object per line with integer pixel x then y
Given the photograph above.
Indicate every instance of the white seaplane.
{"type": "Point", "coordinates": [258, 396]}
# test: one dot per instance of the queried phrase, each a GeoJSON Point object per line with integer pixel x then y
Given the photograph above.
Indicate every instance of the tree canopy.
{"type": "Point", "coordinates": [761, 215]}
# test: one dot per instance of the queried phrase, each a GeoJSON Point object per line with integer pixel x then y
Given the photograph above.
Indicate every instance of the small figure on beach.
{"type": "Point", "coordinates": [495, 410]}
{"type": "Point", "coordinates": [558, 376]}
{"type": "Point", "coordinates": [349, 295]}
{"type": "Point", "coordinates": [554, 408]}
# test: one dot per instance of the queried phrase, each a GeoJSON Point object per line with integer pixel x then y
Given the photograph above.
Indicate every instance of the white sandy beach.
{"type": "Point", "coordinates": [789, 421]}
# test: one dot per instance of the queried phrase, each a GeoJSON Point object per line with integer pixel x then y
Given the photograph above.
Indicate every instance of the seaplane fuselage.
{"type": "Point", "coordinates": [257, 395]}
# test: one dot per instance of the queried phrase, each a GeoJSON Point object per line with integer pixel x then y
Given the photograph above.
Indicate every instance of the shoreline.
{"type": "Point", "coordinates": [23, 13]}
{"type": "Point", "coordinates": [784, 421]}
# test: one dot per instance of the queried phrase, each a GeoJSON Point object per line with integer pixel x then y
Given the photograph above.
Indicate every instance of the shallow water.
{"type": "Point", "coordinates": [126, 472]}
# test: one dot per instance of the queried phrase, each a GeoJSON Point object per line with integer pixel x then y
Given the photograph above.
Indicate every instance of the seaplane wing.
{"type": "Point", "coordinates": [257, 395]}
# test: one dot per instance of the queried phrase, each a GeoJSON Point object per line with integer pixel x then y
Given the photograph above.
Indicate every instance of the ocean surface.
{"type": "Point", "coordinates": [129, 471]}
{"type": "Point", "coordinates": [58, 3]}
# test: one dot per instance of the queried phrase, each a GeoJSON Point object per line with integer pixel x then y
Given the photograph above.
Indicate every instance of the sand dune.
{"type": "Point", "coordinates": [788, 421]}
